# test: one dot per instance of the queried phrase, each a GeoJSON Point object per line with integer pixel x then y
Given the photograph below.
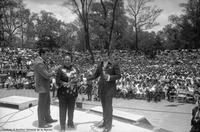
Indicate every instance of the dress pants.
{"type": "Point", "coordinates": [106, 102]}
{"type": "Point", "coordinates": [66, 103]}
{"type": "Point", "coordinates": [44, 108]}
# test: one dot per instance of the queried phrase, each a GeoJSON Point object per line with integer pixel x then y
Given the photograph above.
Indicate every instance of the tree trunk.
{"type": "Point", "coordinates": [87, 41]}
{"type": "Point", "coordinates": [136, 39]}
{"type": "Point", "coordinates": [22, 38]}
{"type": "Point", "coordinates": [136, 34]}
{"type": "Point", "coordinates": [112, 26]}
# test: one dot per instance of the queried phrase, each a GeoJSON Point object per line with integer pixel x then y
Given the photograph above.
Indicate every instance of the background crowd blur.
{"type": "Point", "coordinates": [171, 75]}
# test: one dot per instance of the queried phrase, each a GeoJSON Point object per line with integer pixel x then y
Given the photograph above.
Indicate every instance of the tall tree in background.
{"type": "Point", "coordinates": [82, 8]}
{"type": "Point", "coordinates": [143, 16]}
{"type": "Point", "coordinates": [24, 17]}
{"type": "Point", "coordinates": [47, 30]}
{"type": "Point", "coordinates": [9, 20]}
{"type": "Point", "coordinates": [53, 33]}
{"type": "Point", "coordinates": [192, 16]}
{"type": "Point", "coordinates": [4, 4]}
{"type": "Point", "coordinates": [14, 20]}
{"type": "Point", "coordinates": [187, 25]}
{"type": "Point", "coordinates": [104, 14]}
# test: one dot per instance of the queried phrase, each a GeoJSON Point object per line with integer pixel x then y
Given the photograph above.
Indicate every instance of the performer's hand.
{"type": "Point", "coordinates": [84, 80]}
{"type": "Point", "coordinates": [65, 84]}
{"type": "Point", "coordinates": [53, 73]}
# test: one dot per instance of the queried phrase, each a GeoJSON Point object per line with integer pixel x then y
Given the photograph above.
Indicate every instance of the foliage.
{"type": "Point", "coordinates": [187, 26]}
{"type": "Point", "coordinates": [82, 9]}
{"type": "Point", "coordinates": [143, 15]}
{"type": "Point", "coordinates": [53, 33]}
{"type": "Point", "coordinates": [15, 19]}
{"type": "Point", "coordinates": [10, 21]}
{"type": "Point", "coordinates": [108, 23]}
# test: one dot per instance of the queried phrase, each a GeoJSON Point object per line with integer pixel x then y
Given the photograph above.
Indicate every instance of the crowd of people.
{"type": "Point", "coordinates": [171, 72]}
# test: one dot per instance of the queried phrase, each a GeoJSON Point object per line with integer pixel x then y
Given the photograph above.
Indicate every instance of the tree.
{"type": "Point", "coordinates": [9, 20]}
{"type": "Point", "coordinates": [68, 36]}
{"type": "Point", "coordinates": [47, 30]}
{"type": "Point", "coordinates": [53, 33]}
{"type": "Point", "coordinates": [3, 4]}
{"type": "Point", "coordinates": [179, 32]}
{"type": "Point", "coordinates": [187, 25]}
{"type": "Point", "coordinates": [14, 20]}
{"type": "Point", "coordinates": [143, 16]}
{"type": "Point", "coordinates": [30, 31]}
{"type": "Point", "coordinates": [192, 18]}
{"type": "Point", "coordinates": [24, 17]}
{"type": "Point", "coordinates": [82, 8]}
{"type": "Point", "coordinates": [104, 15]}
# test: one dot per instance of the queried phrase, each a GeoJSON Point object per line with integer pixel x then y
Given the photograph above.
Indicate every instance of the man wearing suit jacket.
{"type": "Point", "coordinates": [195, 121]}
{"type": "Point", "coordinates": [42, 80]}
{"type": "Point", "coordinates": [108, 72]}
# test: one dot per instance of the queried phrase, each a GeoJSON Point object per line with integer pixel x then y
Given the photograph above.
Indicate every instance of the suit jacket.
{"type": "Point", "coordinates": [108, 87]}
{"type": "Point", "coordinates": [193, 122]}
{"type": "Point", "coordinates": [42, 76]}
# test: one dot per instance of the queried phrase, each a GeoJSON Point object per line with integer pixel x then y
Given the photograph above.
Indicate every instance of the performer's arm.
{"type": "Point", "coordinates": [95, 75]}
{"type": "Point", "coordinates": [43, 71]}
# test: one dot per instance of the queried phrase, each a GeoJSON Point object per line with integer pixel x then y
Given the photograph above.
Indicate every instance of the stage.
{"type": "Point", "coordinates": [13, 119]}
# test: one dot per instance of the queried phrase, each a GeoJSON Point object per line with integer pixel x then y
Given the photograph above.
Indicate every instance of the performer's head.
{"type": "Point", "coordinates": [104, 55]}
{"type": "Point", "coordinates": [68, 60]}
{"type": "Point", "coordinates": [44, 53]}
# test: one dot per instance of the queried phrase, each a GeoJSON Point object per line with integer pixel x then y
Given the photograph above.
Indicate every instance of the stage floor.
{"type": "Point", "coordinates": [85, 121]}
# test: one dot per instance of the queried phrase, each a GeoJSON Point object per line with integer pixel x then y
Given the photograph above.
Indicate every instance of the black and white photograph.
{"type": "Point", "coordinates": [100, 65]}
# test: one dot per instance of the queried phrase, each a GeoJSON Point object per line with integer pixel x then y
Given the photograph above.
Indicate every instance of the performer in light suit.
{"type": "Point", "coordinates": [108, 72]}
{"type": "Point", "coordinates": [42, 80]}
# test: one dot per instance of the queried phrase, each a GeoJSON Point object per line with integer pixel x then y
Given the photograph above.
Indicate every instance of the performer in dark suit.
{"type": "Point", "coordinates": [195, 122]}
{"type": "Point", "coordinates": [67, 78]}
{"type": "Point", "coordinates": [108, 72]}
{"type": "Point", "coordinates": [42, 80]}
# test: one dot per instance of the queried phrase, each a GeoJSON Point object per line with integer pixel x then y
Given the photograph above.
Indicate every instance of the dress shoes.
{"type": "Point", "coordinates": [62, 130]}
{"type": "Point", "coordinates": [106, 130]}
{"type": "Point", "coordinates": [71, 126]}
{"type": "Point", "coordinates": [45, 126]}
{"type": "Point", "coordinates": [52, 121]}
{"type": "Point", "coordinates": [101, 126]}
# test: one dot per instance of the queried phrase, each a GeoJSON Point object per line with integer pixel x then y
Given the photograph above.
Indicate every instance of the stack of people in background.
{"type": "Point", "coordinates": [171, 75]}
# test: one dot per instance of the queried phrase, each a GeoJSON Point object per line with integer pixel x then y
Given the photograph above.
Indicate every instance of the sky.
{"type": "Point", "coordinates": [62, 13]}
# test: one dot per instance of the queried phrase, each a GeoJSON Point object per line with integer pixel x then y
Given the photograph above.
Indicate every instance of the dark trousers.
{"type": "Point", "coordinates": [66, 103]}
{"type": "Point", "coordinates": [194, 129]}
{"type": "Point", "coordinates": [54, 91]}
{"type": "Point", "coordinates": [106, 102]}
{"type": "Point", "coordinates": [44, 108]}
{"type": "Point", "coordinates": [89, 92]}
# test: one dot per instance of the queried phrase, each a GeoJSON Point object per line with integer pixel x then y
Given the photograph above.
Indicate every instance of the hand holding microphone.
{"type": "Point", "coordinates": [53, 71]}
{"type": "Point", "coordinates": [84, 80]}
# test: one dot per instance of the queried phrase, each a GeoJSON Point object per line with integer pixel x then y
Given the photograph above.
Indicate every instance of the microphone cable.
{"type": "Point", "coordinates": [13, 114]}
{"type": "Point", "coordinates": [95, 125]}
